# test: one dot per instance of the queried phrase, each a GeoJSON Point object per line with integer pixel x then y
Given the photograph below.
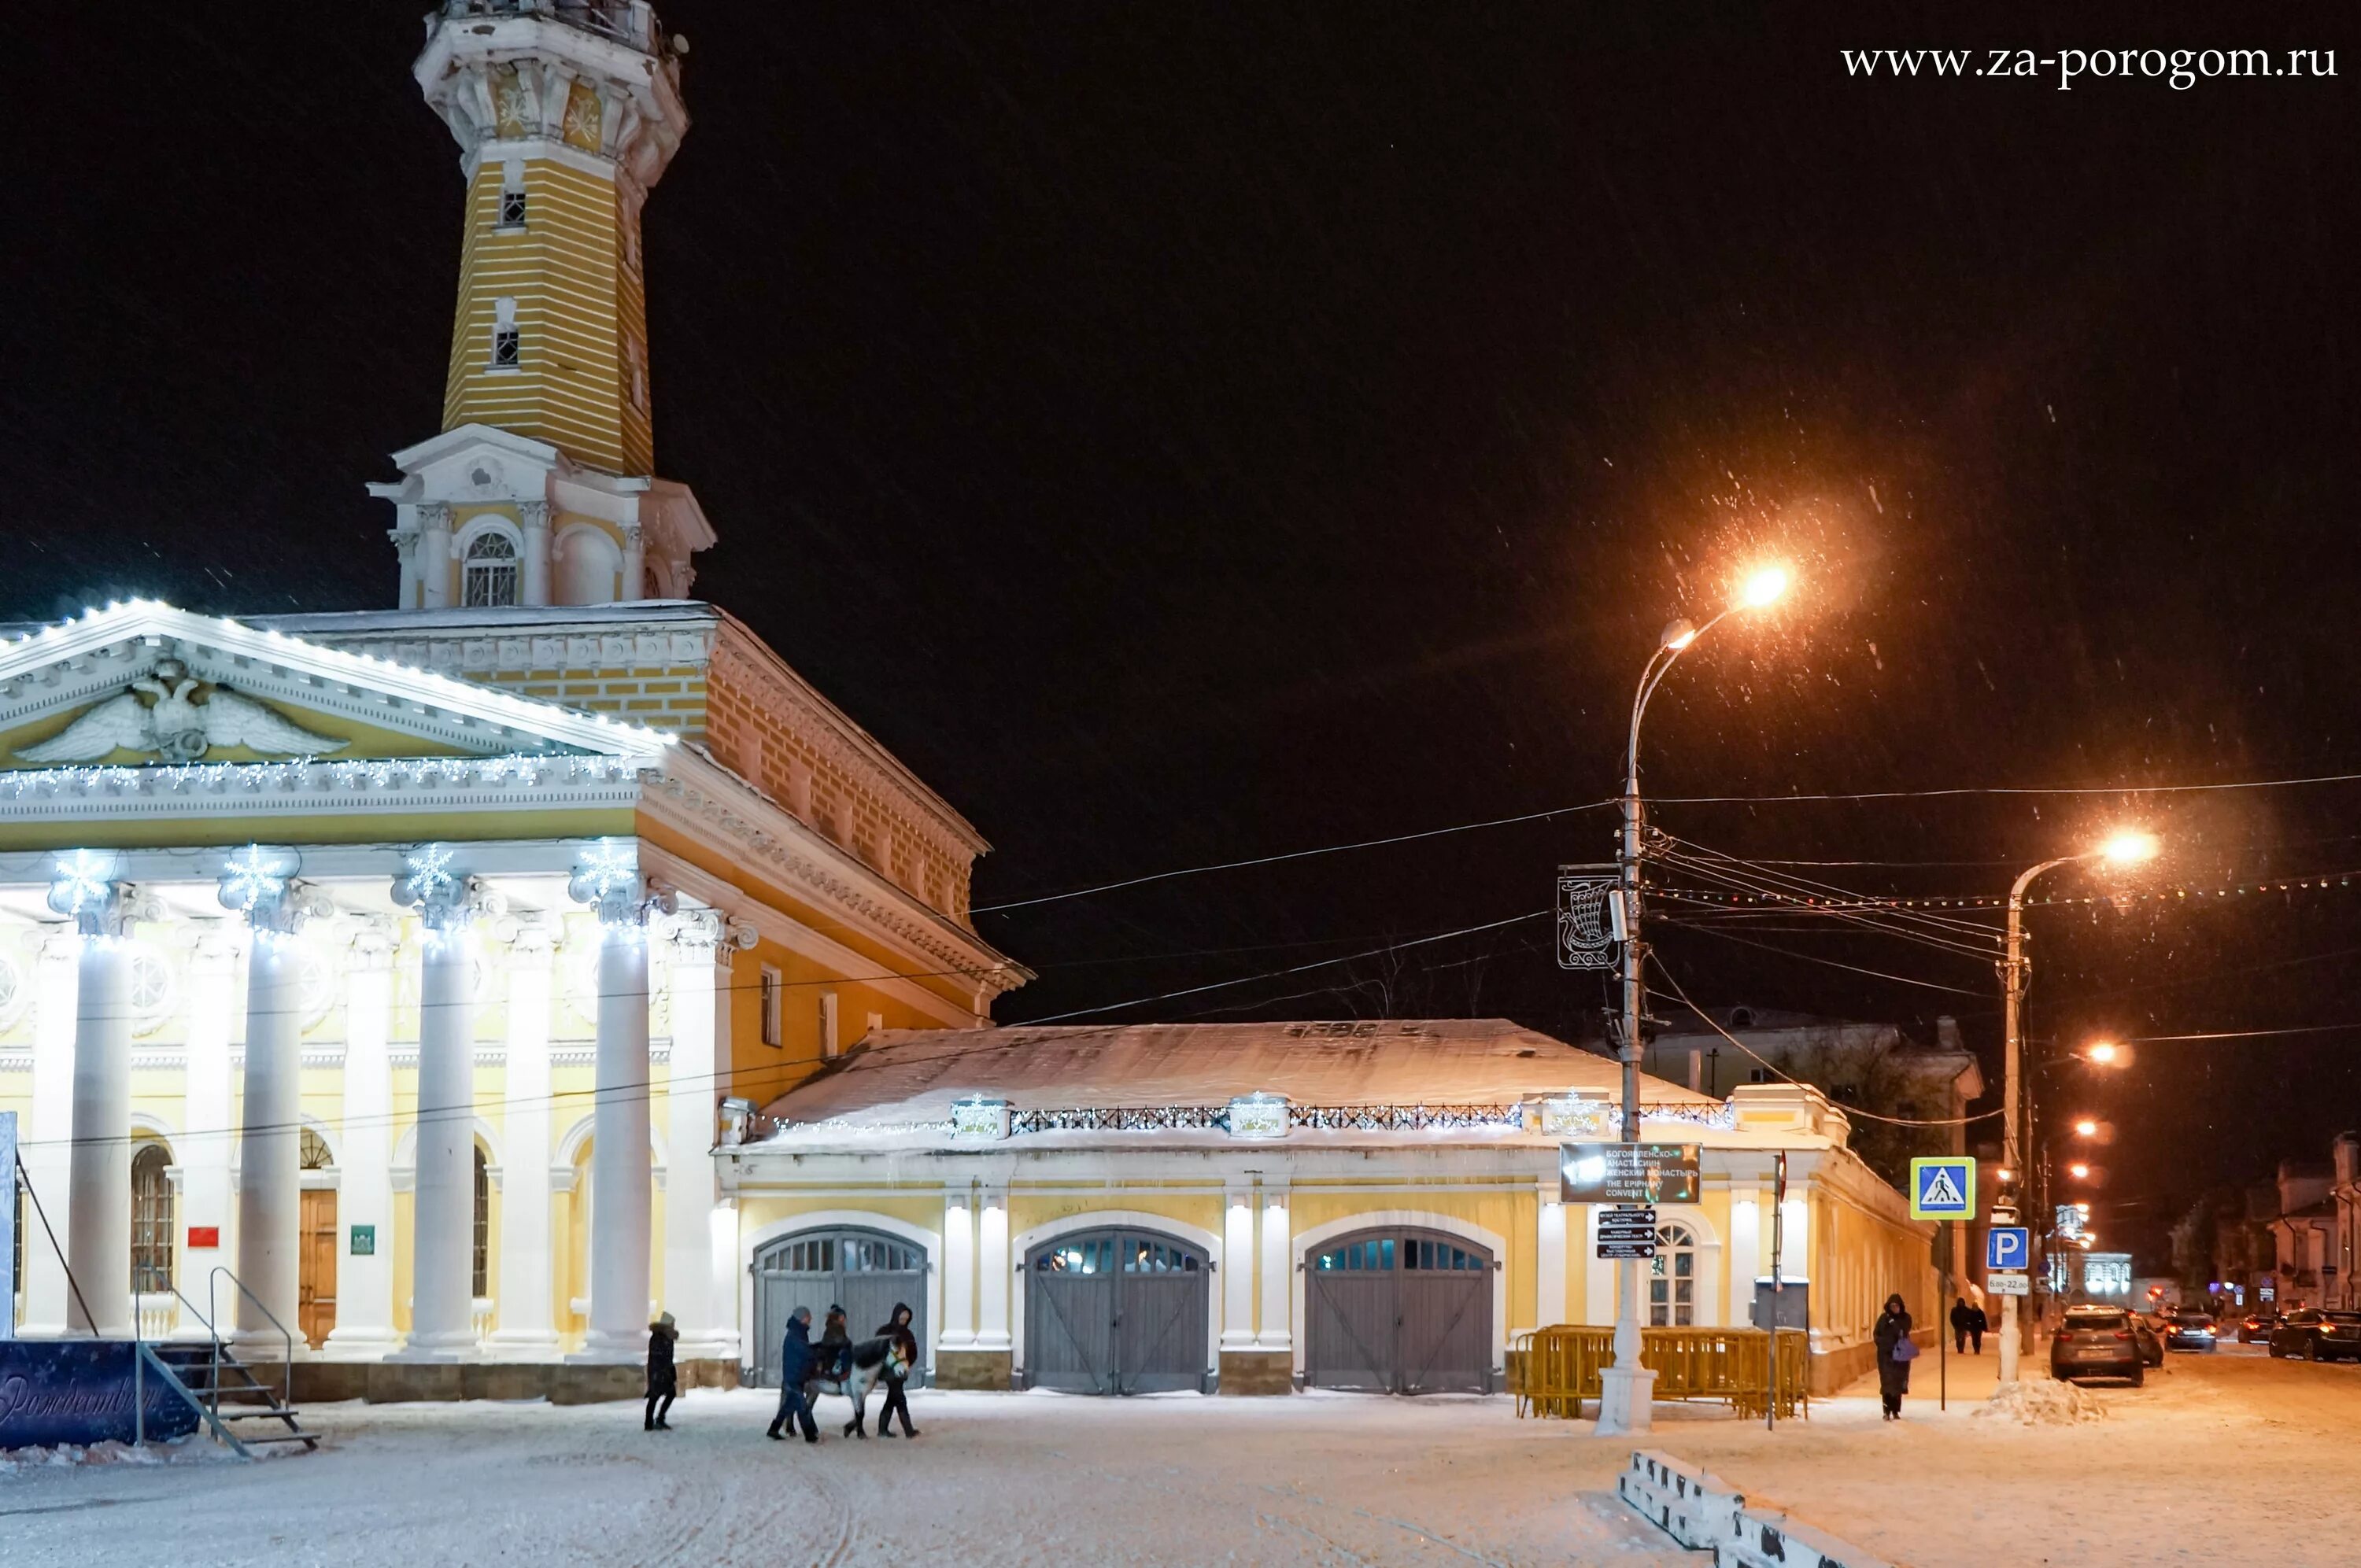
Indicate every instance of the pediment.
{"type": "Point", "coordinates": [474, 463]}
{"type": "Point", "coordinates": [149, 684]}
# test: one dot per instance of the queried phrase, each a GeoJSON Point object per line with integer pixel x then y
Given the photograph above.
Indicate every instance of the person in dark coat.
{"type": "Point", "coordinates": [897, 1329]}
{"type": "Point", "coordinates": [1960, 1324]}
{"type": "Point", "coordinates": [835, 1348]}
{"type": "Point", "coordinates": [664, 1383]}
{"type": "Point", "coordinates": [1892, 1330]}
{"type": "Point", "coordinates": [794, 1367]}
{"type": "Point", "coordinates": [1977, 1324]}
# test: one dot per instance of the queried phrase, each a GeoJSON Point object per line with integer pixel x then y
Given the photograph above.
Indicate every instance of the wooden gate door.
{"type": "Point", "coordinates": [315, 1310]}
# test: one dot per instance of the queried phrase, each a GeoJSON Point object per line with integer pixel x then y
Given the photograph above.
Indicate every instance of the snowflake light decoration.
{"type": "Point", "coordinates": [82, 883]}
{"type": "Point", "coordinates": [254, 880]}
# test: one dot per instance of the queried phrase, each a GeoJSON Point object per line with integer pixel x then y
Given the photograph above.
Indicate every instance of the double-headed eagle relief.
{"type": "Point", "coordinates": [175, 728]}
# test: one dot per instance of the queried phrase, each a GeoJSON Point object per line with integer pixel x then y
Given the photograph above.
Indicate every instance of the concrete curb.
{"type": "Point", "coordinates": [1704, 1513]}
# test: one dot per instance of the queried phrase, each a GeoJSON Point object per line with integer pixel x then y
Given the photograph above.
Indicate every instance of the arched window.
{"type": "Point", "coordinates": [151, 1218]}
{"type": "Point", "coordinates": [481, 1277]}
{"type": "Point", "coordinates": [489, 578]}
{"type": "Point", "coordinates": [1672, 1279]}
{"type": "Point", "coordinates": [312, 1151]}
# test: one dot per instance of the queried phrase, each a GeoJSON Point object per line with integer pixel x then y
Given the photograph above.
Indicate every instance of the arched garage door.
{"type": "Point", "coordinates": [1401, 1311]}
{"type": "Point", "coordinates": [1117, 1311]}
{"type": "Point", "coordinates": [864, 1272]}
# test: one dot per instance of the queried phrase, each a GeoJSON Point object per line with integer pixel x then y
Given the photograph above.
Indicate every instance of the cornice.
{"type": "Point", "coordinates": [420, 784]}
{"type": "Point", "coordinates": [706, 801]}
{"type": "Point", "coordinates": [770, 678]}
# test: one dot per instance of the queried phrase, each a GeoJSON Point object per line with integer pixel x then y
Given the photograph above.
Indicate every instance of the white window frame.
{"type": "Point", "coordinates": [773, 994]}
{"type": "Point", "coordinates": [506, 335]}
{"type": "Point", "coordinates": [464, 546]}
{"type": "Point", "coordinates": [831, 1045]}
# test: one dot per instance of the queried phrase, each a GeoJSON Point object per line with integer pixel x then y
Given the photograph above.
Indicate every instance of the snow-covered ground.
{"type": "Point", "coordinates": [2225, 1459]}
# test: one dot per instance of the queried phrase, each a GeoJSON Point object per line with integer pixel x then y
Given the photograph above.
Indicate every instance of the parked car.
{"type": "Point", "coordinates": [2257, 1326]}
{"type": "Point", "coordinates": [2097, 1342]}
{"type": "Point", "coordinates": [2310, 1334]}
{"type": "Point", "coordinates": [2148, 1330]}
{"type": "Point", "coordinates": [2191, 1330]}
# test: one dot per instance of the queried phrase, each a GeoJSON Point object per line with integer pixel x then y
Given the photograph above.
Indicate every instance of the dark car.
{"type": "Point", "coordinates": [2191, 1330]}
{"type": "Point", "coordinates": [2257, 1326]}
{"type": "Point", "coordinates": [2097, 1342]}
{"type": "Point", "coordinates": [2310, 1334]}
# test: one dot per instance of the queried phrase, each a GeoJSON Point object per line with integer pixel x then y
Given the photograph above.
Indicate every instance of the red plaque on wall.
{"type": "Point", "coordinates": [204, 1235]}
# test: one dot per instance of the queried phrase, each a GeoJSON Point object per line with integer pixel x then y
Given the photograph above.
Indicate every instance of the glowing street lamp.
{"type": "Point", "coordinates": [2086, 1128]}
{"type": "Point", "coordinates": [1627, 1387]}
{"type": "Point", "coordinates": [2079, 1171]}
{"type": "Point", "coordinates": [2105, 1052]}
{"type": "Point", "coordinates": [2125, 847]}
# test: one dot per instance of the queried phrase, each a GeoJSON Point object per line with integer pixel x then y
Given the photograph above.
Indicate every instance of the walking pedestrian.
{"type": "Point", "coordinates": [1960, 1325]}
{"type": "Point", "coordinates": [834, 1352]}
{"type": "Point", "coordinates": [664, 1383]}
{"type": "Point", "coordinates": [1895, 1351]}
{"type": "Point", "coordinates": [906, 1344]}
{"type": "Point", "coordinates": [794, 1367]}
{"type": "Point", "coordinates": [1977, 1324]}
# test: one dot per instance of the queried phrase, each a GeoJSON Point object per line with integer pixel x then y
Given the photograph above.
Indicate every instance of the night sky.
{"type": "Point", "coordinates": [1185, 435]}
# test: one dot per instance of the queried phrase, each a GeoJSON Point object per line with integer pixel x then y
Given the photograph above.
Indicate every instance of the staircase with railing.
{"type": "Point", "coordinates": [219, 1385]}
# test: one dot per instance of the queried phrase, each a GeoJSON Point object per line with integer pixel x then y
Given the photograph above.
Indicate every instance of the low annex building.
{"type": "Point", "coordinates": [1253, 1207]}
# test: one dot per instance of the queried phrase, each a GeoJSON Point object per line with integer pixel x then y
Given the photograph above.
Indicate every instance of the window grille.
{"type": "Point", "coordinates": [489, 578]}
{"type": "Point", "coordinates": [1672, 1279]}
{"type": "Point", "coordinates": [505, 353]}
{"type": "Point", "coordinates": [481, 1276]}
{"type": "Point", "coordinates": [513, 209]}
{"type": "Point", "coordinates": [151, 1219]}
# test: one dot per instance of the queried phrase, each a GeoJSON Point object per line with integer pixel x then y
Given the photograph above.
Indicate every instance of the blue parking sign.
{"type": "Point", "coordinates": [1943, 1187]}
{"type": "Point", "coordinates": [2007, 1249]}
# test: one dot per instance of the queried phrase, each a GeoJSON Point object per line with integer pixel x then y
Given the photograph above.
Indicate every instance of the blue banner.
{"type": "Point", "coordinates": [81, 1391]}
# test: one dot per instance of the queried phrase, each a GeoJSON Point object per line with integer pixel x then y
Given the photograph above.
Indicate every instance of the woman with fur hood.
{"type": "Point", "coordinates": [664, 1382]}
{"type": "Point", "coordinates": [897, 1329]}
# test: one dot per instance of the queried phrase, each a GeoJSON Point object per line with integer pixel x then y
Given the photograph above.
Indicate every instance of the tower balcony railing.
{"type": "Point", "coordinates": [630, 22]}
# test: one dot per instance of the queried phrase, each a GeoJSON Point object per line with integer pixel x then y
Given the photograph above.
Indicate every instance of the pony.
{"type": "Point", "coordinates": [874, 1360]}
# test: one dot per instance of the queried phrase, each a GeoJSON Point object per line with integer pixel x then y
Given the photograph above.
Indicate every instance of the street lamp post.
{"type": "Point", "coordinates": [2124, 848]}
{"type": "Point", "coordinates": [1626, 1388]}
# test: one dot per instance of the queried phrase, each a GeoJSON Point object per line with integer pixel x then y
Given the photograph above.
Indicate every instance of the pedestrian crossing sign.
{"type": "Point", "coordinates": [1943, 1188]}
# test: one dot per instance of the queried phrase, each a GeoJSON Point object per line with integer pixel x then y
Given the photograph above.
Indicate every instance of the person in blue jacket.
{"type": "Point", "coordinates": [794, 1365]}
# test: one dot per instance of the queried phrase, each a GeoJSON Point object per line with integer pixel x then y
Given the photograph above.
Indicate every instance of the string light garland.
{"type": "Point", "coordinates": [2165, 895]}
{"type": "Point", "coordinates": [1515, 1117]}
{"type": "Point", "coordinates": [306, 773]}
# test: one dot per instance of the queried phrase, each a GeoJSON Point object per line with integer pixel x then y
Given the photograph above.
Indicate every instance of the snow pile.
{"type": "Point", "coordinates": [179, 1451]}
{"type": "Point", "coordinates": [2039, 1403]}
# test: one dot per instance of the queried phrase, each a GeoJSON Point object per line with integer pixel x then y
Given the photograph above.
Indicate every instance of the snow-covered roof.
{"type": "Point", "coordinates": [898, 1078]}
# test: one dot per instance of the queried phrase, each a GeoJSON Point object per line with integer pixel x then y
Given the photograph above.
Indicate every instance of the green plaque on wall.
{"type": "Point", "coordinates": [364, 1240]}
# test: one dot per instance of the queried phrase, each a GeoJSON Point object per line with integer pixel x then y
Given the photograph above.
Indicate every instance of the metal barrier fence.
{"type": "Point", "coordinates": [1552, 1371]}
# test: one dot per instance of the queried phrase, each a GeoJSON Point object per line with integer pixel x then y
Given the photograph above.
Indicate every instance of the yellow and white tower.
{"type": "Point", "coordinates": [541, 489]}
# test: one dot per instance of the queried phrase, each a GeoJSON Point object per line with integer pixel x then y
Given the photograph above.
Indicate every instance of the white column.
{"type": "Point", "coordinates": [1237, 1264]}
{"type": "Point", "coordinates": [204, 1148]}
{"type": "Point", "coordinates": [1747, 1252]}
{"type": "Point", "coordinates": [43, 1149]}
{"type": "Point", "coordinates": [435, 556]}
{"type": "Point", "coordinates": [1278, 1269]}
{"type": "Point", "coordinates": [701, 948]}
{"type": "Point", "coordinates": [528, 1330]}
{"type": "Point", "coordinates": [958, 1329]}
{"type": "Point", "coordinates": [98, 1229]}
{"type": "Point", "coordinates": [634, 565]}
{"type": "Point", "coordinates": [270, 1180]}
{"type": "Point", "coordinates": [994, 1275]}
{"type": "Point", "coordinates": [621, 1168]}
{"type": "Point", "coordinates": [442, 1203]}
{"type": "Point", "coordinates": [534, 583]}
{"type": "Point", "coordinates": [363, 1330]}
{"type": "Point", "coordinates": [1598, 1278]}
{"type": "Point", "coordinates": [258, 882]}
{"type": "Point", "coordinates": [1549, 1258]}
